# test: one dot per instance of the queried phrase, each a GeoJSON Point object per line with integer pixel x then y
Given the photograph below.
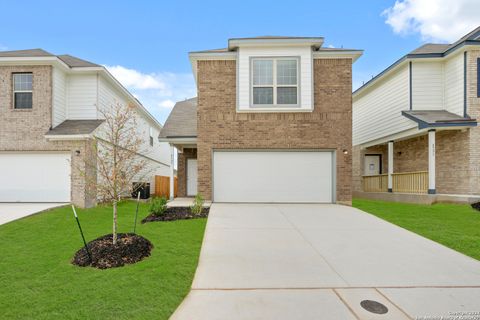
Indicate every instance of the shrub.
{"type": "Point", "coordinates": [158, 206]}
{"type": "Point", "coordinates": [197, 206]}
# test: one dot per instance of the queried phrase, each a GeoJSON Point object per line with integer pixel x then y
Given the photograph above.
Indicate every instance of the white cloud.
{"type": "Point", "coordinates": [157, 91]}
{"type": "Point", "coordinates": [134, 79]}
{"type": "Point", "coordinates": [166, 103]}
{"type": "Point", "coordinates": [434, 20]}
{"type": "Point", "coordinates": [3, 48]}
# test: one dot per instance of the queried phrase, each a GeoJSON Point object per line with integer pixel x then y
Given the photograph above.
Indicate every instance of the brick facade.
{"type": "Point", "coordinates": [188, 153]}
{"type": "Point", "coordinates": [24, 130]}
{"type": "Point", "coordinates": [329, 126]}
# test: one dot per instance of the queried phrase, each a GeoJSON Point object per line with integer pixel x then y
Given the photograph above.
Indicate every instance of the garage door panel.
{"type": "Point", "coordinates": [34, 177]}
{"type": "Point", "coordinates": [281, 176]}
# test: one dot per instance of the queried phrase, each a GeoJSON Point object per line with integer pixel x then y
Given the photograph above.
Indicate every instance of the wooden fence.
{"type": "Point", "coordinates": [162, 186]}
{"type": "Point", "coordinates": [406, 182]}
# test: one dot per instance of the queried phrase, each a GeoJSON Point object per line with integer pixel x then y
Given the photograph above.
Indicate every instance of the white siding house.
{"type": "Point", "coordinates": [422, 106]}
{"type": "Point", "coordinates": [73, 92]}
{"type": "Point", "coordinates": [382, 105]}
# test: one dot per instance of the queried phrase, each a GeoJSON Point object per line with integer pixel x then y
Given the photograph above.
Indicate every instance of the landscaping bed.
{"type": "Point", "coordinates": [130, 248]}
{"type": "Point", "coordinates": [176, 213]}
{"type": "Point", "coordinates": [39, 281]}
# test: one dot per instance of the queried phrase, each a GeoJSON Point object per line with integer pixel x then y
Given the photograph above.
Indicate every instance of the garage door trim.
{"type": "Point", "coordinates": [334, 164]}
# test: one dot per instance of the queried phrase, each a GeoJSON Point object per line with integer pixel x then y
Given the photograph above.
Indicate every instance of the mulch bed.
{"type": "Point", "coordinates": [176, 213]}
{"type": "Point", "coordinates": [476, 206]}
{"type": "Point", "coordinates": [130, 248]}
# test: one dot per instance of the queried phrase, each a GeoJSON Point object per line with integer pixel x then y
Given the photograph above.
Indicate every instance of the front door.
{"type": "Point", "coordinates": [372, 164]}
{"type": "Point", "coordinates": [192, 177]}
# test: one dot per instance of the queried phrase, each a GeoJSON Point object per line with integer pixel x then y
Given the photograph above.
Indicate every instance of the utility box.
{"type": "Point", "coordinates": [142, 188]}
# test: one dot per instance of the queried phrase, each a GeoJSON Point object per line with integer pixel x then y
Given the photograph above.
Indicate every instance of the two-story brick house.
{"type": "Point", "coordinates": [415, 131]}
{"type": "Point", "coordinates": [49, 114]}
{"type": "Point", "coordinates": [271, 123]}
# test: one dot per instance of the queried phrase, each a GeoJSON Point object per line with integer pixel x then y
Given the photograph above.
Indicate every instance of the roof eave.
{"type": "Point", "coordinates": [445, 124]}
{"type": "Point", "coordinates": [351, 54]}
{"type": "Point", "coordinates": [63, 137]}
{"type": "Point", "coordinates": [179, 139]}
{"type": "Point", "coordinates": [239, 42]}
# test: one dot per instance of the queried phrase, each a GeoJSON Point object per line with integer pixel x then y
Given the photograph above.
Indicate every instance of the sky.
{"type": "Point", "coordinates": [145, 44]}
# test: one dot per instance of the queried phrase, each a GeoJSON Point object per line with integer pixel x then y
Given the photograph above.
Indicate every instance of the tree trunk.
{"type": "Point", "coordinates": [115, 222]}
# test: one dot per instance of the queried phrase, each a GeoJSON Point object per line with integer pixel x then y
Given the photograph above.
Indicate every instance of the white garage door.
{"type": "Point", "coordinates": [273, 176]}
{"type": "Point", "coordinates": [34, 177]}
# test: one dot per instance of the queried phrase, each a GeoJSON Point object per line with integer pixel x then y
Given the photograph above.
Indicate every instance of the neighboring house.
{"type": "Point", "coordinates": [271, 123]}
{"type": "Point", "coordinates": [415, 125]}
{"type": "Point", "coordinates": [49, 112]}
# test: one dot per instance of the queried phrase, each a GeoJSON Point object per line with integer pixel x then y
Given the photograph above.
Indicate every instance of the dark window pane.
{"type": "Point", "coordinates": [23, 100]}
{"type": "Point", "coordinates": [287, 95]}
{"type": "Point", "coordinates": [262, 95]}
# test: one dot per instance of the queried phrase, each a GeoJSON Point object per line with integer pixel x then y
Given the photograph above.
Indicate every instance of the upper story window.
{"type": "Point", "coordinates": [22, 90]}
{"type": "Point", "coordinates": [151, 136]}
{"type": "Point", "coordinates": [274, 82]}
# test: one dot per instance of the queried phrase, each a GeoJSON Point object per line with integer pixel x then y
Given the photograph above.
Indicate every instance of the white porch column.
{"type": "Point", "coordinates": [390, 166]}
{"type": "Point", "coordinates": [431, 161]}
{"type": "Point", "coordinates": [172, 171]}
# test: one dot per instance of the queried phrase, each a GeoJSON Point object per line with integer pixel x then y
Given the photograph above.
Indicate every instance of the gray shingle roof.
{"type": "Point", "coordinates": [431, 48]}
{"type": "Point", "coordinates": [74, 127]}
{"type": "Point", "coordinates": [441, 48]}
{"type": "Point", "coordinates": [438, 118]}
{"type": "Point", "coordinates": [182, 121]}
{"type": "Point", "coordinates": [26, 53]}
{"type": "Point", "coordinates": [69, 60]}
{"type": "Point", "coordinates": [75, 62]}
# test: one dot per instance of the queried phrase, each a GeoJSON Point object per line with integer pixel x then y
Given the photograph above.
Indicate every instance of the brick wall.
{"type": "Point", "coordinates": [189, 153]}
{"type": "Point", "coordinates": [327, 127]}
{"type": "Point", "coordinates": [473, 110]}
{"type": "Point", "coordinates": [24, 130]}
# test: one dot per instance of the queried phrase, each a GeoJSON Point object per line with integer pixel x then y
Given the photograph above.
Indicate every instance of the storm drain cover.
{"type": "Point", "coordinates": [374, 306]}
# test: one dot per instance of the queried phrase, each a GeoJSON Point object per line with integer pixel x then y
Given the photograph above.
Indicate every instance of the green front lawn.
{"type": "Point", "coordinates": [453, 225]}
{"type": "Point", "coordinates": [37, 280]}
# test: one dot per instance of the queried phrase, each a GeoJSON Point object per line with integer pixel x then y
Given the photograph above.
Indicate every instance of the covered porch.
{"type": "Point", "coordinates": [426, 160]}
{"type": "Point", "coordinates": [180, 132]}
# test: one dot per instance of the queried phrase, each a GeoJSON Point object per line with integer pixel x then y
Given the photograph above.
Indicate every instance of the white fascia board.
{"type": "Point", "coordinates": [265, 42]}
{"type": "Point", "coordinates": [189, 140]}
{"type": "Point", "coordinates": [52, 60]}
{"type": "Point", "coordinates": [354, 54]}
{"type": "Point", "coordinates": [62, 137]}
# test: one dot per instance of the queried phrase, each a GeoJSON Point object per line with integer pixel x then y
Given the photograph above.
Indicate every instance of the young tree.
{"type": "Point", "coordinates": [116, 159]}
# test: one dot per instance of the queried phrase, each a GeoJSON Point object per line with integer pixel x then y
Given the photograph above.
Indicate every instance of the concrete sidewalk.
{"type": "Point", "coordinates": [307, 261]}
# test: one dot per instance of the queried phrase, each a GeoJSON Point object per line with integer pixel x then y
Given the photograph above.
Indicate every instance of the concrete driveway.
{"type": "Point", "coordinates": [307, 261]}
{"type": "Point", "coordinates": [14, 211]}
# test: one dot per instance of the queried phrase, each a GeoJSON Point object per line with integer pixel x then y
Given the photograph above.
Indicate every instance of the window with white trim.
{"type": "Point", "coordinates": [22, 90]}
{"type": "Point", "coordinates": [274, 82]}
{"type": "Point", "coordinates": [151, 136]}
